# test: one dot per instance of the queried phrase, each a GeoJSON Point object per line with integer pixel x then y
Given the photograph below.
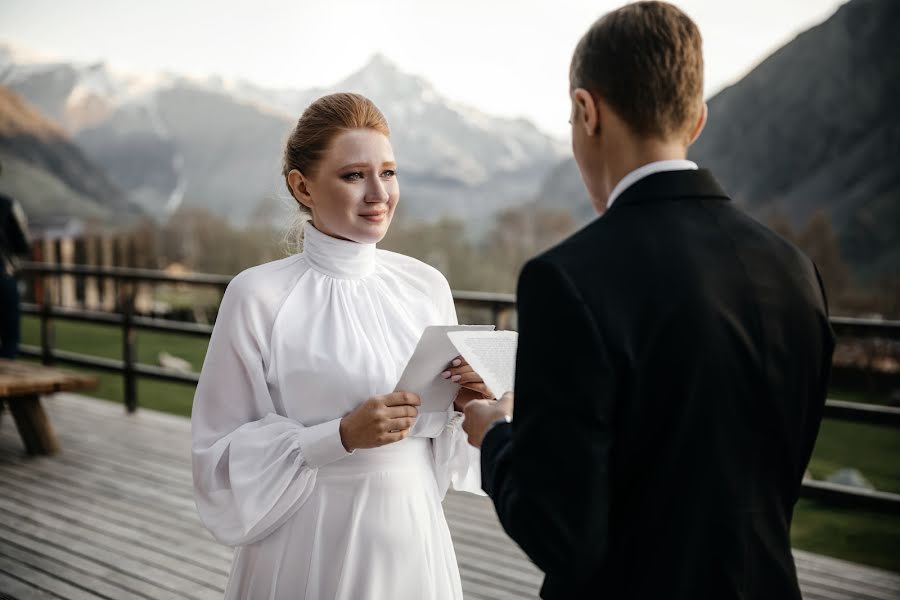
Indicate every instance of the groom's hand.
{"type": "Point", "coordinates": [481, 414]}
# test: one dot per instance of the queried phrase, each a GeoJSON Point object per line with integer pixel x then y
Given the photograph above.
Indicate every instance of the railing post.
{"type": "Point", "coordinates": [129, 339]}
{"type": "Point", "coordinates": [47, 333]}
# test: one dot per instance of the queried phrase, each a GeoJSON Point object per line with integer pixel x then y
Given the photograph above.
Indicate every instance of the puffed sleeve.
{"type": "Point", "coordinates": [457, 463]}
{"type": "Point", "coordinates": [252, 467]}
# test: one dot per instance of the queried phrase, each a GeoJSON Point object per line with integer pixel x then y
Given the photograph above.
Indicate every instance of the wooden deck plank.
{"type": "Point", "coordinates": [124, 512]}
{"type": "Point", "coordinates": [845, 569]}
{"type": "Point", "coordinates": [101, 476]}
{"type": "Point", "coordinates": [87, 579]}
{"type": "Point", "coordinates": [126, 507]}
{"type": "Point", "coordinates": [182, 545]}
{"type": "Point", "coordinates": [11, 587]}
{"type": "Point", "coordinates": [46, 581]}
{"type": "Point", "coordinates": [134, 586]}
{"type": "Point", "coordinates": [114, 512]}
{"type": "Point", "coordinates": [112, 555]}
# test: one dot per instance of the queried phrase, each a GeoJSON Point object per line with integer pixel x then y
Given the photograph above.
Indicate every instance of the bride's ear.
{"type": "Point", "coordinates": [300, 188]}
{"type": "Point", "coordinates": [586, 114]}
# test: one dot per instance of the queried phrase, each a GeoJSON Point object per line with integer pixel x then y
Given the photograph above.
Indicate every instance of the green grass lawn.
{"type": "Point", "coordinates": [874, 450]}
{"type": "Point", "coordinates": [862, 537]}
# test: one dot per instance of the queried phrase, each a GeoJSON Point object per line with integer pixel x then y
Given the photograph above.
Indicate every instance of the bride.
{"type": "Point", "coordinates": [327, 482]}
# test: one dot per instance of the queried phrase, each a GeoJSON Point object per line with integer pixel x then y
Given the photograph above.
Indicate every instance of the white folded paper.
{"type": "Point", "coordinates": [492, 354]}
{"type": "Point", "coordinates": [432, 356]}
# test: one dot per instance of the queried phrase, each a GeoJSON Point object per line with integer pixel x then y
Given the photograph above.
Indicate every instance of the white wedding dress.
{"type": "Point", "coordinates": [298, 343]}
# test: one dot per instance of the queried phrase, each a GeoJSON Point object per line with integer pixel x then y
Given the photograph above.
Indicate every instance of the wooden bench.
{"type": "Point", "coordinates": [21, 386]}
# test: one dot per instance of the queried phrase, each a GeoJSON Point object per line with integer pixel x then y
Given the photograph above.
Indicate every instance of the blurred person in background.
{"type": "Point", "coordinates": [13, 242]}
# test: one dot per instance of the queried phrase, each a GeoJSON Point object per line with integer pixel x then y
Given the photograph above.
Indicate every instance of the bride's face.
{"type": "Point", "coordinates": [355, 190]}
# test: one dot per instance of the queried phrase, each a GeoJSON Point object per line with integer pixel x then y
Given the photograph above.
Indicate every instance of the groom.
{"type": "Point", "coordinates": [673, 355]}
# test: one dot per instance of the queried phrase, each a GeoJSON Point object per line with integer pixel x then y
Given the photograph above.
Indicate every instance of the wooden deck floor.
{"type": "Point", "coordinates": [113, 517]}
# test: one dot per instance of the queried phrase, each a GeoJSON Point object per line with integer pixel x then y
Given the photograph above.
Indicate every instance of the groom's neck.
{"type": "Point", "coordinates": [627, 153]}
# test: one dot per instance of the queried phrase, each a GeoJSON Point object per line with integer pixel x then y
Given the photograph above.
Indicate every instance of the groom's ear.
{"type": "Point", "coordinates": [586, 115]}
{"type": "Point", "coordinates": [300, 188]}
{"type": "Point", "coordinates": [699, 125]}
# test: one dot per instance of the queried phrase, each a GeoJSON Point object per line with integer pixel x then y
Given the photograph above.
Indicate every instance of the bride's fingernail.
{"type": "Point", "coordinates": [456, 378]}
{"type": "Point", "coordinates": [445, 374]}
{"type": "Point", "coordinates": [456, 362]}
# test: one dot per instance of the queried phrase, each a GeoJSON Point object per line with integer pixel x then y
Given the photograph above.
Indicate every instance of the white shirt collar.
{"type": "Point", "coordinates": [650, 168]}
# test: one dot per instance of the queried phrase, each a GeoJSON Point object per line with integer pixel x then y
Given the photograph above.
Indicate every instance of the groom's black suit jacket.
{"type": "Point", "coordinates": [671, 373]}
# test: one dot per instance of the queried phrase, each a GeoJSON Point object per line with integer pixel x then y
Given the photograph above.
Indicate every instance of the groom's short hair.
{"type": "Point", "coordinates": [646, 61]}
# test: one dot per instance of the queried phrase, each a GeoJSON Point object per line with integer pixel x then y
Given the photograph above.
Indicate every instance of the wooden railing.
{"type": "Point", "coordinates": [500, 309]}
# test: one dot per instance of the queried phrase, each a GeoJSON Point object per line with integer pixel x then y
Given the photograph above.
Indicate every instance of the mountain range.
{"type": "Point", "coordinates": [814, 127]}
{"type": "Point", "coordinates": [49, 173]}
{"type": "Point", "coordinates": [169, 140]}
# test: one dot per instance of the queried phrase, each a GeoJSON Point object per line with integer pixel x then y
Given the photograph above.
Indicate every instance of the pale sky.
{"type": "Point", "coordinates": [506, 57]}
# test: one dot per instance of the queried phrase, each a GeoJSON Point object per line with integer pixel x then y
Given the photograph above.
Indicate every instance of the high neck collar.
{"type": "Point", "coordinates": [341, 259]}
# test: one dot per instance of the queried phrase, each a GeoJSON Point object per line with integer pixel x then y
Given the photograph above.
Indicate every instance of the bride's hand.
{"type": "Point", "coordinates": [380, 420]}
{"type": "Point", "coordinates": [473, 387]}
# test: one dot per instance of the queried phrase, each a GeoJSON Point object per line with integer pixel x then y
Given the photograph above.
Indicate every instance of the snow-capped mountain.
{"type": "Point", "coordinates": [113, 117]}
{"type": "Point", "coordinates": [168, 139]}
{"type": "Point", "coordinates": [442, 137]}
